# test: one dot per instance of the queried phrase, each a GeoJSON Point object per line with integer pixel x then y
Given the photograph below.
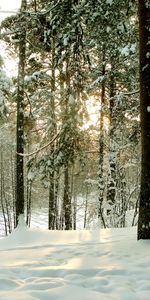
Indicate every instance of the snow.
{"type": "Point", "coordinates": [110, 2]}
{"type": "Point", "coordinates": [128, 49]}
{"type": "Point", "coordinates": [31, 175]}
{"type": "Point", "coordinates": [78, 265]}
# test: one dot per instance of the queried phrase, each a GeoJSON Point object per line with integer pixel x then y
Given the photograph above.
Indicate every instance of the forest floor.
{"type": "Point", "coordinates": [109, 264]}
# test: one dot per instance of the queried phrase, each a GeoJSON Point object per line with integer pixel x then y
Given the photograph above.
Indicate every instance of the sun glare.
{"type": "Point", "coordinates": [93, 109]}
{"type": "Point", "coordinates": [10, 64]}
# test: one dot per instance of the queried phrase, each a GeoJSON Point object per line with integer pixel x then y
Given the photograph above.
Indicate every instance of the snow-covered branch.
{"type": "Point", "coordinates": [40, 149]}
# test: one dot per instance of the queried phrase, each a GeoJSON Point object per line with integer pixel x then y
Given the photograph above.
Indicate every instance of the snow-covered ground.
{"type": "Point", "coordinates": [79, 265]}
{"type": "Point", "coordinates": [39, 219]}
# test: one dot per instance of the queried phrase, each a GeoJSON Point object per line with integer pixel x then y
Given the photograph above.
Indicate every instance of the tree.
{"type": "Point", "coordinates": [144, 206]}
{"type": "Point", "coordinates": [52, 186]}
{"type": "Point", "coordinates": [77, 53]}
{"type": "Point", "coordinates": [20, 119]}
{"type": "Point", "coordinates": [101, 147]}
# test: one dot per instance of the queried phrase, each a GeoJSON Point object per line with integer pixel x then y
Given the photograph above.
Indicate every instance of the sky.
{"type": "Point", "coordinates": [8, 5]}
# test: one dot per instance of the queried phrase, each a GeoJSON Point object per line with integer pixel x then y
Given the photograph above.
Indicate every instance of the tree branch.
{"type": "Point", "coordinates": [40, 149]}
{"type": "Point", "coordinates": [131, 93]}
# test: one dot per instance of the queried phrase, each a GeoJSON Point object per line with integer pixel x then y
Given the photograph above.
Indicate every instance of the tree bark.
{"type": "Point", "coordinates": [20, 121]}
{"type": "Point", "coordinates": [52, 199]}
{"type": "Point", "coordinates": [144, 204]}
{"type": "Point", "coordinates": [67, 199]}
{"type": "Point", "coordinates": [111, 188]}
{"type": "Point", "coordinates": [101, 149]}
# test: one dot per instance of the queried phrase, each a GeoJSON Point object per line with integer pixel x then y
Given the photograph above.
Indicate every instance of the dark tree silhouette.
{"type": "Point", "coordinates": [144, 206]}
{"type": "Point", "coordinates": [20, 119]}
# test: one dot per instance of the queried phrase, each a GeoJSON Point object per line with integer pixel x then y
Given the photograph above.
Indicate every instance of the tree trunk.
{"type": "Point", "coordinates": [13, 189]}
{"type": "Point", "coordinates": [52, 204]}
{"type": "Point", "coordinates": [101, 150]}
{"type": "Point", "coordinates": [144, 205]}
{"type": "Point", "coordinates": [2, 194]}
{"type": "Point", "coordinates": [67, 199]}
{"type": "Point", "coordinates": [20, 121]}
{"type": "Point", "coordinates": [74, 199]}
{"type": "Point", "coordinates": [86, 209]}
{"type": "Point", "coordinates": [29, 201]}
{"type": "Point", "coordinates": [111, 188]}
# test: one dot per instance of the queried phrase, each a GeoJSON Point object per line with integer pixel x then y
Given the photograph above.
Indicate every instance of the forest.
{"type": "Point", "coordinates": [74, 118]}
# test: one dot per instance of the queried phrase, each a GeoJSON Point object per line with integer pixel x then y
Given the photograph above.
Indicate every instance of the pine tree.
{"type": "Point", "coordinates": [20, 118]}
{"type": "Point", "coordinates": [144, 206]}
{"type": "Point", "coordinates": [86, 47]}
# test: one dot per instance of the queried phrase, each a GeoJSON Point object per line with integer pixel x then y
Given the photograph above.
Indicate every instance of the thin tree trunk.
{"type": "Point", "coordinates": [101, 150]}
{"type": "Point", "coordinates": [85, 210]}
{"type": "Point", "coordinates": [20, 121]}
{"type": "Point", "coordinates": [51, 215]}
{"type": "Point", "coordinates": [56, 202]}
{"type": "Point", "coordinates": [74, 199]}
{"type": "Point", "coordinates": [135, 212]}
{"type": "Point", "coordinates": [74, 212]}
{"type": "Point", "coordinates": [29, 201]}
{"type": "Point", "coordinates": [52, 204]}
{"type": "Point", "coordinates": [2, 195]}
{"type": "Point", "coordinates": [67, 199]}
{"type": "Point", "coordinates": [9, 221]}
{"type": "Point", "coordinates": [13, 190]}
